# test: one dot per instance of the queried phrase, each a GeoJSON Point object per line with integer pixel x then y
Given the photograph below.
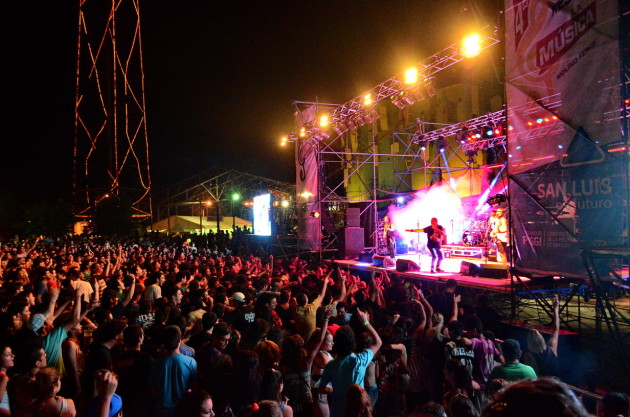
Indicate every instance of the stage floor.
{"type": "Point", "coordinates": [451, 268]}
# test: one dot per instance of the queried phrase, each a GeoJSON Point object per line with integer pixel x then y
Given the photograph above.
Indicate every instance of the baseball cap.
{"type": "Point", "coordinates": [238, 296]}
{"type": "Point", "coordinates": [36, 322]}
{"type": "Point", "coordinates": [115, 405]}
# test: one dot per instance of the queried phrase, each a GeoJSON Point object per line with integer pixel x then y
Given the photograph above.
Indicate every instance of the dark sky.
{"type": "Point", "coordinates": [220, 78]}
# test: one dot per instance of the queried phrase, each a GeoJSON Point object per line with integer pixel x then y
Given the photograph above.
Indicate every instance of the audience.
{"type": "Point", "coordinates": [171, 327]}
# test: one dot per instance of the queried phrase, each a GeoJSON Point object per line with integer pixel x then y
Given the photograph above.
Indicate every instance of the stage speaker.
{"type": "Point", "coordinates": [405, 265]}
{"type": "Point", "coordinates": [353, 242]}
{"type": "Point", "coordinates": [353, 217]}
{"type": "Point", "coordinates": [470, 269]}
{"type": "Point", "coordinates": [385, 261]}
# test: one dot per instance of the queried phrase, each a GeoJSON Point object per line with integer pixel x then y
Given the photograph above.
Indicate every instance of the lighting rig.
{"type": "Point", "coordinates": [413, 85]}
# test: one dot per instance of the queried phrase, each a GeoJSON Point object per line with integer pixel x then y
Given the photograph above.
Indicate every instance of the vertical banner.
{"type": "Point", "coordinates": [307, 186]}
{"type": "Point", "coordinates": [567, 185]}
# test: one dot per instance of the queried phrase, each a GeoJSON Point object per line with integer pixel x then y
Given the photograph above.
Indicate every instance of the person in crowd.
{"type": "Point", "coordinates": [196, 403]}
{"type": "Point", "coordinates": [348, 368]}
{"type": "Point", "coordinates": [615, 404]}
{"type": "Point", "coordinates": [358, 402]}
{"type": "Point", "coordinates": [47, 403]}
{"type": "Point", "coordinates": [132, 367]}
{"type": "Point", "coordinates": [512, 370]}
{"type": "Point", "coordinates": [272, 386]}
{"type": "Point", "coordinates": [172, 375]}
{"type": "Point", "coordinates": [543, 397]}
{"type": "Point", "coordinates": [541, 356]}
{"type": "Point", "coordinates": [6, 362]}
{"type": "Point", "coordinates": [443, 302]}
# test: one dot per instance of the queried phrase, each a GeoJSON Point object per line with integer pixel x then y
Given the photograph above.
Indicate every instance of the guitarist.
{"type": "Point", "coordinates": [436, 236]}
{"type": "Point", "coordinates": [389, 235]}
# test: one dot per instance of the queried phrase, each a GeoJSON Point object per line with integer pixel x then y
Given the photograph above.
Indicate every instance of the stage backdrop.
{"type": "Point", "coordinates": [307, 185]}
{"type": "Point", "coordinates": [567, 190]}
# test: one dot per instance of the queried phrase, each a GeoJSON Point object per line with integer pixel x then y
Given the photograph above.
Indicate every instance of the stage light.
{"type": "Point", "coordinates": [351, 125]}
{"type": "Point", "coordinates": [314, 214]}
{"type": "Point", "coordinates": [236, 196]}
{"type": "Point", "coordinates": [411, 76]}
{"type": "Point", "coordinates": [518, 147]}
{"type": "Point", "coordinates": [400, 200]}
{"type": "Point", "coordinates": [323, 121]}
{"type": "Point", "coordinates": [471, 46]}
{"type": "Point", "coordinates": [306, 194]}
{"type": "Point", "coordinates": [396, 100]}
{"type": "Point", "coordinates": [208, 203]}
{"type": "Point", "coordinates": [539, 120]}
{"type": "Point", "coordinates": [554, 117]}
{"type": "Point", "coordinates": [497, 199]}
{"type": "Point", "coordinates": [303, 132]}
{"type": "Point", "coordinates": [367, 99]}
{"type": "Point", "coordinates": [429, 86]}
{"type": "Point", "coordinates": [560, 146]}
{"type": "Point", "coordinates": [408, 99]}
{"type": "Point", "coordinates": [441, 144]}
{"type": "Point", "coordinates": [340, 128]}
{"type": "Point", "coordinates": [510, 127]}
{"type": "Point", "coordinates": [284, 203]}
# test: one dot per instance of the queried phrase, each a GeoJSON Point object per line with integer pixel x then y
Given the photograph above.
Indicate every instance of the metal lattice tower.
{"type": "Point", "coordinates": [111, 146]}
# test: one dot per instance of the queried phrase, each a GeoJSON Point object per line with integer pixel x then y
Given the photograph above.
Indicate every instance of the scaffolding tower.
{"type": "Point", "coordinates": [111, 145]}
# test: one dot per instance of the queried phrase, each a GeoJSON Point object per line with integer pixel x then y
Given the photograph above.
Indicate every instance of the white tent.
{"type": "Point", "coordinates": [191, 224]}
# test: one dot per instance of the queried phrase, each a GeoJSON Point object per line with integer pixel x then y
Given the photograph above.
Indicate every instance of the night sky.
{"type": "Point", "coordinates": [220, 78]}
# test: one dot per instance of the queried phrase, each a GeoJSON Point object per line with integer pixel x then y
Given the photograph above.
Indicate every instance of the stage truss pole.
{"type": "Point", "coordinates": [111, 146]}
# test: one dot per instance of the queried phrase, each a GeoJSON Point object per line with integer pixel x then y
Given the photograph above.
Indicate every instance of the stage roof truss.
{"type": "Point", "coordinates": [426, 69]}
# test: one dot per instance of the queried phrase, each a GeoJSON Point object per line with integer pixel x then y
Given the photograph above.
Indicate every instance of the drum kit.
{"type": "Point", "coordinates": [477, 233]}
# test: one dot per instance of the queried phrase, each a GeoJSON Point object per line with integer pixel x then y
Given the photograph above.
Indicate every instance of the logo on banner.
{"type": "Point", "coordinates": [521, 20]}
{"type": "Point", "coordinates": [553, 46]}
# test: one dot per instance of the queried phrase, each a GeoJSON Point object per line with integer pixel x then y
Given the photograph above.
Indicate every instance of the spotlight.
{"type": "Point", "coordinates": [429, 86]}
{"type": "Point", "coordinates": [400, 200]}
{"type": "Point", "coordinates": [487, 131]}
{"type": "Point", "coordinates": [497, 199]}
{"type": "Point", "coordinates": [351, 125]}
{"type": "Point", "coordinates": [284, 203]}
{"type": "Point", "coordinates": [441, 144]}
{"type": "Point", "coordinates": [396, 100]}
{"type": "Point", "coordinates": [367, 99]}
{"type": "Point", "coordinates": [303, 132]}
{"type": "Point", "coordinates": [471, 46]}
{"type": "Point", "coordinates": [323, 121]}
{"type": "Point", "coordinates": [411, 76]}
{"type": "Point", "coordinates": [340, 128]}
{"type": "Point", "coordinates": [408, 98]}
{"type": "Point", "coordinates": [314, 214]}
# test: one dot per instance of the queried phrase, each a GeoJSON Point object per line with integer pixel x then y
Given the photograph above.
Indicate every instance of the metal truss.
{"type": "Point", "coordinates": [111, 146]}
{"type": "Point", "coordinates": [218, 188]}
{"type": "Point", "coordinates": [395, 85]}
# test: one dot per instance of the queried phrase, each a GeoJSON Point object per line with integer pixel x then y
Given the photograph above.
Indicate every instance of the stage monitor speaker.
{"type": "Point", "coordinates": [353, 242]}
{"type": "Point", "coordinates": [469, 269]}
{"type": "Point", "coordinates": [405, 265]}
{"type": "Point", "coordinates": [366, 256]}
{"type": "Point", "coordinates": [384, 261]}
{"type": "Point", "coordinates": [353, 217]}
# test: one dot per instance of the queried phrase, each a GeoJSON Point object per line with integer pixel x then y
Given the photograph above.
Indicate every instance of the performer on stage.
{"type": "Point", "coordinates": [500, 235]}
{"type": "Point", "coordinates": [436, 236]}
{"type": "Point", "coordinates": [389, 235]}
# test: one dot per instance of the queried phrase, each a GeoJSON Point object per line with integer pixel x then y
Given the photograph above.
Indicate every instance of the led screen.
{"type": "Point", "coordinates": [262, 223]}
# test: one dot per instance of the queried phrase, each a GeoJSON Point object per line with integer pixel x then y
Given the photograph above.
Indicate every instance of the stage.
{"type": "Point", "coordinates": [488, 278]}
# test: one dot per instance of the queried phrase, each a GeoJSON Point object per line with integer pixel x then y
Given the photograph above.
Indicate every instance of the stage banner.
{"type": "Point", "coordinates": [567, 186]}
{"type": "Point", "coordinates": [307, 185]}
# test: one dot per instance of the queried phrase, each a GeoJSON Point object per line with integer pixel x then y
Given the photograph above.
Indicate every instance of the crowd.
{"type": "Point", "coordinates": [172, 328]}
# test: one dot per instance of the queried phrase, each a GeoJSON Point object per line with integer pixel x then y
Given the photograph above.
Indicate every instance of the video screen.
{"type": "Point", "coordinates": [262, 221]}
